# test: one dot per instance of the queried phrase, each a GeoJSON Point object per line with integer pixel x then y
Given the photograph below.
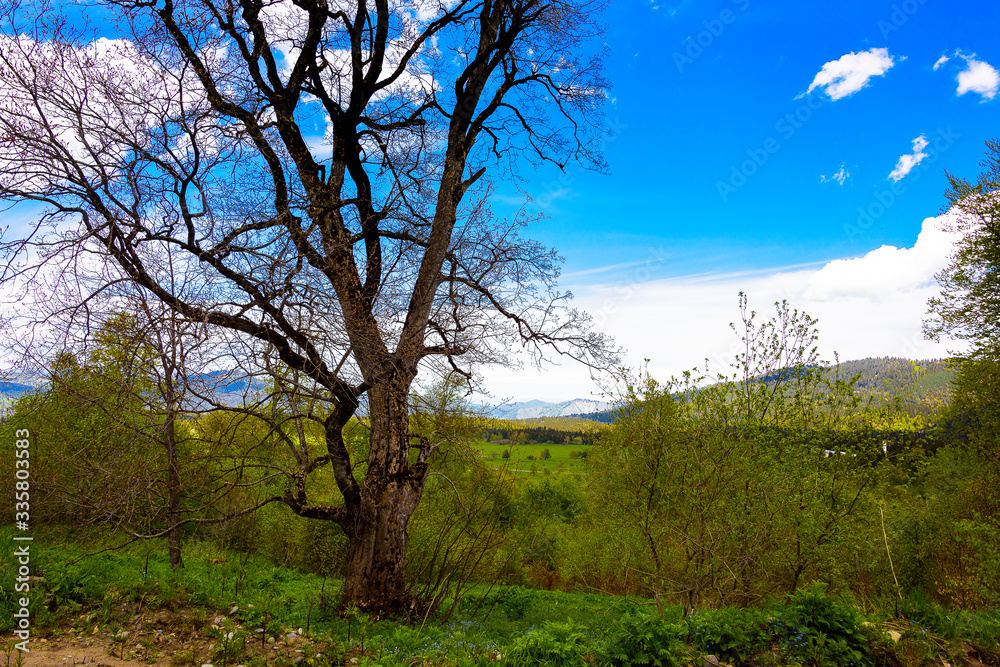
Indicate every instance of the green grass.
{"type": "Point", "coordinates": [560, 461]}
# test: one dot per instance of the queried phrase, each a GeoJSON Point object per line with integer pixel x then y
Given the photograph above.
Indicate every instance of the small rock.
{"type": "Point", "coordinates": [895, 636]}
{"type": "Point", "coordinates": [298, 660]}
{"type": "Point", "coordinates": [219, 620]}
{"type": "Point", "coordinates": [233, 611]}
{"type": "Point", "coordinates": [711, 661]}
{"type": "Point", "coordinates": [270, 640]}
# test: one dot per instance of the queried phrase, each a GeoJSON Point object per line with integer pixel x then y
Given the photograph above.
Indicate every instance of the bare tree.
{"type": "Point", "coordinates": [320, 168]}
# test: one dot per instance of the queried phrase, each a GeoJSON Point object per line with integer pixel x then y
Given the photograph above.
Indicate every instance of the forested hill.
{"type": "Point", "coordinates": [923, 387]}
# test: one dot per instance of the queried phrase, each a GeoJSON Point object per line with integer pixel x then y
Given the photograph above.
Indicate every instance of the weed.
{"type": "Point", "coordinates": [552, 645]}
{"type": "Point", "coordinates": [646, 640]}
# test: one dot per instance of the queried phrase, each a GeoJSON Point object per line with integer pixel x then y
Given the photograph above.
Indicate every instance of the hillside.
{"type": "Point", "coordinates": [923, 387]}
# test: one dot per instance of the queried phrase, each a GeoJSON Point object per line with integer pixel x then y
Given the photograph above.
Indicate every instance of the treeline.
{"type": "Point", "coordinates": [537, 435]}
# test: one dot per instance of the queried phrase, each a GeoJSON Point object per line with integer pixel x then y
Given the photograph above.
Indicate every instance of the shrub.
{"type": "Point", "coordinates": [820, 630]}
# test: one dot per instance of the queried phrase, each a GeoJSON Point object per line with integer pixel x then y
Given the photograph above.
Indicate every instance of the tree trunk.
{"type": "Point", "coordinates": [376, 553]}
{"type": "Point", "coordinates": [390, 492]}
{"type": "Point", "coordinates": [173, 467]}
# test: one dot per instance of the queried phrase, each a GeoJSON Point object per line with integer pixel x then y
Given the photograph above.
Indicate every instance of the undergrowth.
{"type": "Point", "coordinates": [243, 604]}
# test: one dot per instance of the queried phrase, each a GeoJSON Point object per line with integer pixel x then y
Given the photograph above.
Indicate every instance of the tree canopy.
{"type": "Point", "coordinates": [311, 178]}
{"type": "Point", "coordinates": [969, 306]}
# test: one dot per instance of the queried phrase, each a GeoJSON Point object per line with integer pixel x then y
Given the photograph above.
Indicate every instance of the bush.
{"type": "Point", "coordinates": [729, 633]}
{"type": "Point", "coordinates": [820, 630]}
{"type": "Point", "coordinates": [646, 640]}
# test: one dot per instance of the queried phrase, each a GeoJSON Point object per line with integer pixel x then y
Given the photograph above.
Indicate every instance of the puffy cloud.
{"type": "Point", "coordinates": [850, 73]}
{"type": "Point", "coordinates": [867, 306]}
{"type": "Point", "coordinates": [978, 77]}
{"type": "Point", "coordinates": [907, 162]}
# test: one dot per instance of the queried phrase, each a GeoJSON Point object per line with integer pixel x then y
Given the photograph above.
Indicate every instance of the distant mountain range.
{"type": "Point", "coordinates": [536, 409]}
{"type": "Point", "coordinates": [923, 386]}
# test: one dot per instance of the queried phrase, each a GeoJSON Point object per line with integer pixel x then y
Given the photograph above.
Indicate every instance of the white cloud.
{"type": "Point", "coordinates": [978, 77]}
{"type": "Point", "coordinates": [906, 163]}
{"type": "Point", "coordinates": [840, 177]}
{"type": "Point", "coordinates": [850, 73]}
{"type": "Point", "coordinates": [866, 306]}
{"type": "Point", "coordinates": [940, 61]}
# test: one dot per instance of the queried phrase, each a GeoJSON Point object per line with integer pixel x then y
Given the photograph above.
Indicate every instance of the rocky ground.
{"type": "Point", "coordinates": [164, 637]}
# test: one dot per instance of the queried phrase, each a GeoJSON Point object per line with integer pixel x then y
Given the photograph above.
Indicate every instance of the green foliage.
{"type": "Point", "coordinates": [969, 306]}
{"type": "Point", "coordinates": [731, 634]}
{"type": "Point", "coordinates": [746, 486]}
{"type": "Point", "coordinates": [552, 645]}
{"type": "Point", "coordinates": [821, 630]}
{"type": "Point", "coordinates": [649, 641]}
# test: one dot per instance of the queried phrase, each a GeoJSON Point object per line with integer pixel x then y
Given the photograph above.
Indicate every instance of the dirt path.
{"type": "Point", "coordinates": [66, 652]}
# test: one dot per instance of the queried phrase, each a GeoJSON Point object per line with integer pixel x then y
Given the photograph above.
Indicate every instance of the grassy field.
{"type": "Point", "coordinates": [563, 459]}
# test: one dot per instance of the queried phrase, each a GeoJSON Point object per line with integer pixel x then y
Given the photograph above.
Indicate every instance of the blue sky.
{"type": "Point", "coordinates": [755, 143]}
{"type": "Point", "coordinates": [789, 150]}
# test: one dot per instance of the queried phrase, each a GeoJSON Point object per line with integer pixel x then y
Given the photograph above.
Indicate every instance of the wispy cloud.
{"type": "Point", "coordinates": [574, 275]}
{"type": "Point", "coordinates": [840, 176]}
{"type": "Point", "coordinates": [907, 162]}
{"type": "Point", "coordinates": [851, 72]}
{"type": "Point", "coordinates": [940, 61]}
